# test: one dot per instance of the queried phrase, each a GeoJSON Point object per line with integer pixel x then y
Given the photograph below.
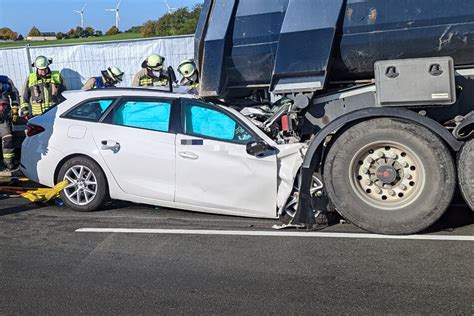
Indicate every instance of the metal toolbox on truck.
{"type": "Point", "coordinates": [421, 81]}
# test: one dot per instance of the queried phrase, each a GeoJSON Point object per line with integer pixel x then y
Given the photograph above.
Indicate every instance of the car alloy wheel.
{"type": "Point", "coordinates": [82, 188]}
{"type": "Point", "coordinates": [288, 212]}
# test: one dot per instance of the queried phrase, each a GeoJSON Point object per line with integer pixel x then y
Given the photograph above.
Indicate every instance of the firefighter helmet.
{"type": "Point", "coordinates": [115, 74]}
{"type": "Point", "coordinates": [187, 68]}
{"type": "Point", "coordinates": [42, 62]}
{"type": "Point", "coordinates": [154, 62]}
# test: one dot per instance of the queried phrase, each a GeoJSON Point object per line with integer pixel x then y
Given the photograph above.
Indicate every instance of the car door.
{"type": "Point", "coordinates": [213, 168]}
{"type": "Point", "coordinates": [138, 145]}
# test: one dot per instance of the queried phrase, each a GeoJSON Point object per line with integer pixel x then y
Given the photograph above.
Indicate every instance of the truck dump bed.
{"type": "Point", "coordinates": [290, 46]}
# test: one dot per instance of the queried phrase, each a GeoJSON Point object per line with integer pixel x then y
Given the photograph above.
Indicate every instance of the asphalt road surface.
{"type": "Point", "coordinates": [48, 267]}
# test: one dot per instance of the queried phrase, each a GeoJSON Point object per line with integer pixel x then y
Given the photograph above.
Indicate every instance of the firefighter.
{"type": "Point", "coordinates": [152, 73]}
{"type": "Point", "coordinates": [187, 69]}
{"type": "Point", "coordinates": [42, 89]}
{"type": "Point", "coordinates": [109, 78]}
{"type": "Point", "coordinates": [8, 89]}
{"type": "Point", "coordinates": [9, 102]}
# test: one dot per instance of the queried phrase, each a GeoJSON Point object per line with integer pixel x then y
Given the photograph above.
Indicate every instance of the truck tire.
{"type": "Point", "coordinates": [466, 172]}
{"type": "Point", "coordinates": [88, 189]}
{"type": "Point", "coordinates": [389, 176]}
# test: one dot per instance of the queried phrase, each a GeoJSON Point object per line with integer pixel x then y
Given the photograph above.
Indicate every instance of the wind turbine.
{"type": "Point", "coordinates": [170, 10]}
{"type": "Point", "coordinates": [81, 12]}
{"type": "Point", "coordinates": [117, 16]}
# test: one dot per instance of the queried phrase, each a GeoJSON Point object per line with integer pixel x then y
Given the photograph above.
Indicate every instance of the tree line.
{"type": "Point", "coordinates": [179, 22]}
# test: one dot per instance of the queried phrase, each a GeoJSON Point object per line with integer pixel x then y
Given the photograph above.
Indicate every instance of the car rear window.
{"type": "Point", "coordinates": [90, 111]}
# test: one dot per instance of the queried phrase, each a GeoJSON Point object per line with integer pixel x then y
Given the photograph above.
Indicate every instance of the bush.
{"type": "Point", "coordinates": [112, 31]}
{"type": "Point", "coordinates": [72, 33]}
{"type": "Point", "coordinates": [89, 31]}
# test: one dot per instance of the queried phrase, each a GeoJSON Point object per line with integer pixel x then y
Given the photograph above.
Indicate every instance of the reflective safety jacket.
{"type": "Point", "coordinates": [42, 93]}
{"type": "Point", "coordinates": [144, 78]}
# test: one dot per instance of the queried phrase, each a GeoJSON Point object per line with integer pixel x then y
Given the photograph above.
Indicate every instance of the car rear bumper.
{"type": "Point", "coordinates": [39, 162]}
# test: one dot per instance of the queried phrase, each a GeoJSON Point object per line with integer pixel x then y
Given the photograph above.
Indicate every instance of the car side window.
{"type": "Point", "coordinates": [90, 111]}
{"type": "Point", "coordinates": [152, 115]}
{"type": "Point", "coordinates": [204, 121]}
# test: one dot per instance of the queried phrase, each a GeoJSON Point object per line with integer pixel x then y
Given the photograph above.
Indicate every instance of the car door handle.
{"type": "Point", "coordinates": [110, 145]}
{"type": "Point", "coordinates": [188, 155]}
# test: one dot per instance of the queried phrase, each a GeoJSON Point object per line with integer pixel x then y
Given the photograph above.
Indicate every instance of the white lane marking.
{"type": "Point", "coordinates": [270, 233]}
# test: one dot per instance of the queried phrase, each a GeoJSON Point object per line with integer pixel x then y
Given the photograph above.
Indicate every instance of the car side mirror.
{"type": "Point", "coordinates": [257, 148]}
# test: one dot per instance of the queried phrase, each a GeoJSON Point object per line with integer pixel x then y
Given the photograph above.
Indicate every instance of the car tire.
{"type": "Point", "coordinates": [390, 177]}
{"type": "Point", "coordinates": [90, 187]}
{"type": "Point", "coordinates": [466, 172]}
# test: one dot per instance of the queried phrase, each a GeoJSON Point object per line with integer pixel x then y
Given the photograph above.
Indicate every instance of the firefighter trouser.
{"type": "Point", "coordinates": [7, 144]}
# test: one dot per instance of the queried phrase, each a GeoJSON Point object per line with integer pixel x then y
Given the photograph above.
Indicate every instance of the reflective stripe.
{"type": "Point", "coordinates": [8, 156]}
{"type": "Point", "coordinates": [39, 108]}
{"type": "Point", "coordinates": [24, 105]}
{"type": "Point", "coordinates": [46, 100]}
{"type": "Point", "coordinates": [7, 141]}
{"type": "Point", "coordinates": [146, 82]}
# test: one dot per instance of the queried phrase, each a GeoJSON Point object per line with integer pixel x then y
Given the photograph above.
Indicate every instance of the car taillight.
{"type": "Point", "coordinates": [32, 129]}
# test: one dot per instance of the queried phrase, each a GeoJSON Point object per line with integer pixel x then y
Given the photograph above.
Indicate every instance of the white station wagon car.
{"type": "Point", "coordinates": [159, 148]}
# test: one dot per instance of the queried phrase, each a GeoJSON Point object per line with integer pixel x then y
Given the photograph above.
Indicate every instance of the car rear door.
{"type": "Point", "coordinates": [137, 142]}
{"type": "Point", "coordinates": [213, 168]}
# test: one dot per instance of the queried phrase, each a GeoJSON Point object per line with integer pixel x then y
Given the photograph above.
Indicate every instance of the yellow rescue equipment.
{"type": "Point", "coordinates": [45, 194]}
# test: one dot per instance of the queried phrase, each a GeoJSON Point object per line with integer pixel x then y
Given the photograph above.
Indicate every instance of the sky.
{"type": "Point", "coordinates": [58, 15]}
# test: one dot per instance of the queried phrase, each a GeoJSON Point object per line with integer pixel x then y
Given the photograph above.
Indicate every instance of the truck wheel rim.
{"type": "Point", "coordinates": [387, 175]}
{"type": "Point", "coordinates": [82, 187]}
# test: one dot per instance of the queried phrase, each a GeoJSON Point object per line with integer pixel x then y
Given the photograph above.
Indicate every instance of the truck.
{"type": "Point", "coordinates": [381, 92]}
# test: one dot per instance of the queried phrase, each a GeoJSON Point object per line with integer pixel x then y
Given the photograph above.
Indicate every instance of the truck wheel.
{"type": "Point", "coordinates": [466, 172]}
{"type": "Point", "coordinates": [388, 176]}
{"type": "Point", "coordinates": [87, 190]}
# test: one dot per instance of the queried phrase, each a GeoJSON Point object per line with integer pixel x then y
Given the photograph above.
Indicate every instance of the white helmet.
{"type": "Point", "coordinates": [154, 62]}
{"type": "Point", "coordinates": [42, 62]}
{"type": "Point", "coordinates": [115, 73]}
{"type": "Point", "coordinates": [187, 68]}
